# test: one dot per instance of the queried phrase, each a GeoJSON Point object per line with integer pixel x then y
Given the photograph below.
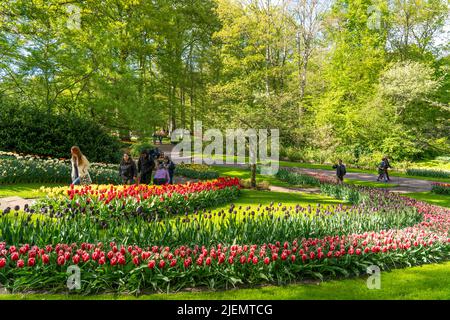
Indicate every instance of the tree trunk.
{"type": "Point", "coordinates": [253, 177]}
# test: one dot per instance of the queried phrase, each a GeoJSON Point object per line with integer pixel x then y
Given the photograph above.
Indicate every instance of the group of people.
{"type": "Point", "coordinates": [129, 172]}
{"type": "Point", "coordinates": [142, 172]}
{"type": "Point", "coordinates": [383, 168]}
{"type": "Point", "coordinates": [159, 135]}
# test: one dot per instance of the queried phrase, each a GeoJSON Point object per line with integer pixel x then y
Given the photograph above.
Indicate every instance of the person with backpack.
{"type": "Point", "coordinates": [341, 171]}
{"type": "Point", "coordinates": [170, 165]}
{"type": "Point", "coordinates": [382, 170]}
{"type": "Point", "coordinates": [145, 166]}
{"type": "Point", "coordinates": [127, 169]}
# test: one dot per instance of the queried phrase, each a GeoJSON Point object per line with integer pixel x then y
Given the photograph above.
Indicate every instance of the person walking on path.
{"type": "Point", "coordinates": [387, 166]}
{"type": "Point", "coordinates": [146, 164]}
{"type": "Point", "coordinates": [161, 175]}
{"type": "Point", "coordinates": [127, 169]}
{"type": "Point", "coordinates": [80, 167]}
{"type": "Point", "coordinates": [341, 171]}
{"type": "Point", "coordinates": [382, 171]}
{"type": "Point", "coordinates": [170, 165]}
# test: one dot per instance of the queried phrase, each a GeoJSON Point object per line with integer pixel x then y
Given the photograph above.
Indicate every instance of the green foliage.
{"type": "Point", "coordinates": [142, 145]}
{"type": "Point", "coordinates": [34, 131]}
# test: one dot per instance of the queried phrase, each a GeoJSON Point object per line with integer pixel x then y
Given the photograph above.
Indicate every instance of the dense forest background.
{"type": "Point", "coordinates": [348, 78]}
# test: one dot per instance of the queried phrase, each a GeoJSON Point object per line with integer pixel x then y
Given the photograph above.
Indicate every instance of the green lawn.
{"type": "Point", "coordinates": [25, 190]}
{"type": "Point", "coordinates": [253, 198]}
{"type": "Point", "coordinates": [423, 282]}
{"type": "Point", "coordinates": [436, 199]}
{"type": "Point", "coordinates": [372, 184]}
{"type": "Point", "coordinates": [243, 173]}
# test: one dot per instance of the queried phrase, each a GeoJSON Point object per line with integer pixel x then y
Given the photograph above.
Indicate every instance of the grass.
{"type": "Point", "coordinates": [372, 184]}
{"type": "Point", "coordinates": [432, 198]}
{"type": "Point", "coordinates": [244, 173]}
{"type": "Point", "coordinates": [25, 190]}
{"type": "Point", "coordinates": [423, 282]}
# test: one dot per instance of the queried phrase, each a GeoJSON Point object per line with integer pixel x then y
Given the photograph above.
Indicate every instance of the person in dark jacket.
{"type": "Point", "coordinates": [341, 171]}
{"type": "Point", "coordinates": [127, 169]}
{"type": "Point", "coordinates": [170, 165]}
{"type": "Point", "coordinates": [382, 170]}
{"type": "Point", "coordinates": [146, 164]}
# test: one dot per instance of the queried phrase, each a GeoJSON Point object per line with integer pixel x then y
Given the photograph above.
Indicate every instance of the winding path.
{"type": "Point", "coordinates": [399, 184]}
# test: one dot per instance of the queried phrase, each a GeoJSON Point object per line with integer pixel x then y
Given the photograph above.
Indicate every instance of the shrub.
{"type": "Point", "coordinates": [140, 146]}
{"type": "Point", "coordinates": [34, 131]}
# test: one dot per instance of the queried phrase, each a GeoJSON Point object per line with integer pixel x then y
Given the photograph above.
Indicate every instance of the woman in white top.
{"type": "Point", "coordinates": [80, 167]}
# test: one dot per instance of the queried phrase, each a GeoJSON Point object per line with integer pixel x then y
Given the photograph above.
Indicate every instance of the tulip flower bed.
{"type": "Point", "coordinates": [147, 199]}
{"type": "Point", "coordinates": [428, 173]}
{"type": "Point", "coordinates": [132, 268]}
{"type": "Point", "coordinates": [15, 168]}
{"type": "Point", "coordinates": [440, 188]}
{"type": "Point", "coordinates": [124, 249]}
{"type": "Point", "coordinates": [297, 179]}
{"type": "Point", "coordinates": [196, 171]}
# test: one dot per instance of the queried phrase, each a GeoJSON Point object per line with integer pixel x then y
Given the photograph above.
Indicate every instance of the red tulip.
{"type": "Point", "coordinates": [135, 261]}
{"type": "Point", "coordinates": [293, 257]}
{"type": "Point", "coordinates": [85, 257]}
{"type": "Point", "coordinates": [266, 260]}
{"type": "Point", "coordinates": [243, 259]}
{"type": "Point", "coordinates": [173, 262]}
{"type": "Point", "coordinates": [2, 262]}
{"type": "Point", "coordinates": [101, 261]}
{"type": "Point", "coordinates": [61, 260]}
{"type": "Point", "coordinates": [151, 264]}
{"type": "Point", "coordinates": [15, 256]}
{"type": "Point", "coordinates": [162, 263]}
{"type": "Point", "coordinates": [255, 260]}
{"type": "Point", "coordinates": [76, 259]}
{"type": "Point", "coordinates": [45, 259]}
{"type": "Point", "coordinates": [31, 262]}
{"type": "Point", "coordinates": [20, 263]}
{"type": "Point", "coordinates": [208, 261]}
